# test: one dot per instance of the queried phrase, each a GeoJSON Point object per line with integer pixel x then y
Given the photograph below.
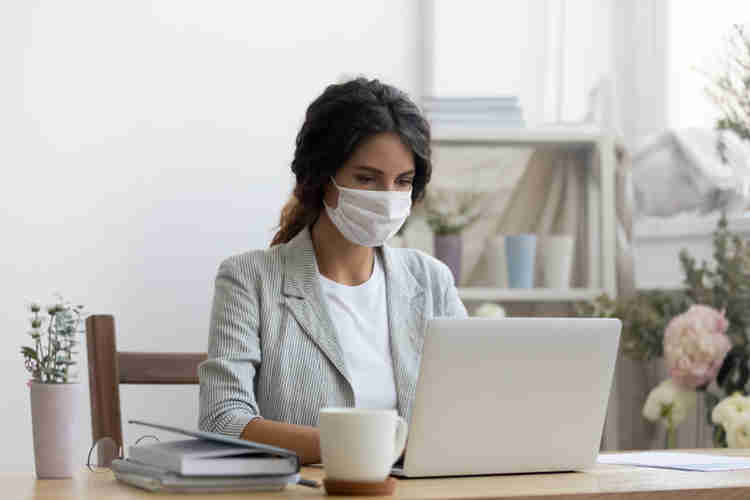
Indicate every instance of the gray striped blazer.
{"type": "Point", "coordinates": [273, 350]}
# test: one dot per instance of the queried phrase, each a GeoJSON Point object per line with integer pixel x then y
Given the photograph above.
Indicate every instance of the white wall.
{"type": "Point", "coordinates": [144, 141]}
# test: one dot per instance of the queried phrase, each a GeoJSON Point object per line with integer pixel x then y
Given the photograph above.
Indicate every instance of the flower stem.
{"type": "Point", "coordinates": [671, 436]}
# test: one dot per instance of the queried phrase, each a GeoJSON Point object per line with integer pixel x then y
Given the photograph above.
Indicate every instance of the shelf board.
{"type": "Point", "coordinates": [552, 136]}
{"type": "Point", "coordinates": [528, 294]}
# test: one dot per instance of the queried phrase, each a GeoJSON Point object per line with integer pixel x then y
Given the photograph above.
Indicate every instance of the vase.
{"type": "Point", "coordinates": [54, 413]}
{"type": "Point", "coordinates": [448, 249]}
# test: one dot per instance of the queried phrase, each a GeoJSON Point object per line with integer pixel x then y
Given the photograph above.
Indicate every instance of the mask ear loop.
{"type": "Point", "coordinates": [338, 194]}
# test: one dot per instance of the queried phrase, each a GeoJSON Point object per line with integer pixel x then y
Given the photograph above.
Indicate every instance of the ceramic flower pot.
{"type": "Point", "coordinates": [54, 409]}
{"type": "Point", "coordinates": [448, 248]}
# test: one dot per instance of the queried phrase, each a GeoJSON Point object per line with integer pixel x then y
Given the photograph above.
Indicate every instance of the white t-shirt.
{"type": "Point", "coordinates": [360, 316]}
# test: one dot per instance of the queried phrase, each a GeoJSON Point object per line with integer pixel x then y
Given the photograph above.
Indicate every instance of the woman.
{"type": "Point", "coordinates": [329, 316]}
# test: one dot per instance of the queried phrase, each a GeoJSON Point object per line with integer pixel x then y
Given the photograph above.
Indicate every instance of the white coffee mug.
{"type": "Point", "coordinates": [360, 444]}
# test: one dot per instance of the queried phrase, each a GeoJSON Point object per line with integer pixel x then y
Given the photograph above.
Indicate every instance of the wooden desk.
{"type": "Point", "coordinates": [603, 482]}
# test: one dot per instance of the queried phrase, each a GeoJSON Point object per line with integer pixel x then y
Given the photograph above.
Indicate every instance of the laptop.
{"type": "Point", "coordinates": [511, 395]}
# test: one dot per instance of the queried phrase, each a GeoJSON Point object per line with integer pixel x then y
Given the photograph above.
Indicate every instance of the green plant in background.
{"type": "Point", "coordinates": [644, 317]}
{"type": "Point", "coordinates": [730, 91]}
{"type": "Point", "coordinates": [50, 359]}
{"type": "Point", "coordinates": [723, 284]}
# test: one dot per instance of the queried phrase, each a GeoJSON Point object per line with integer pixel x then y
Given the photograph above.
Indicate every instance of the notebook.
{"type": "Point", "coordinates": [220, 438]}
{"type": "Point", "coordinates": [677, 460]}
{"type": "Point", "coordinates": [158, 479]}
{"type": "Point", "coordinates": [202, 457]}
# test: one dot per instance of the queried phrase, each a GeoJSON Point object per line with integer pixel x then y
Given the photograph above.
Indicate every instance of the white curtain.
{"type": "Point", "coordinates": [619, 49]}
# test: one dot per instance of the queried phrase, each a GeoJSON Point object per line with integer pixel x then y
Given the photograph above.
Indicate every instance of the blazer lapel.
{"type": "Point", "coordinates": [406, 311]}
{"type": "Point", "coordinates": [304, 298]}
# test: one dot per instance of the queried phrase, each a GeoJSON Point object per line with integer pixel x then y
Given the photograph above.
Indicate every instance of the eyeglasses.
{"type": "Point", "coordinates": [106, 449]}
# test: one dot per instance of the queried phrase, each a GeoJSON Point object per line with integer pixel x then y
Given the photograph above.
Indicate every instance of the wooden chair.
{"type": "Point", "coordinates": [109, 368]}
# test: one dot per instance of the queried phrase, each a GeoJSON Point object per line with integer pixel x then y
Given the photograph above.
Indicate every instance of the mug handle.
{"type": "Point", "coordinates": [402, 430]}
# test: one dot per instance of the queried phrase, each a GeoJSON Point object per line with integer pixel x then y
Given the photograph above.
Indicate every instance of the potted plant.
{"type": "Point", "coordinates": [54, 388]}
{"type": "Point", "coordinates": [448, 213]}
{"type": "Point", "coordinates": [701, 332]}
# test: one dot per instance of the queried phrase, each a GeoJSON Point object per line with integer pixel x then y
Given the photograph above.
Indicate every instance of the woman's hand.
{"type": "Point", "coordinates": [301, 439]}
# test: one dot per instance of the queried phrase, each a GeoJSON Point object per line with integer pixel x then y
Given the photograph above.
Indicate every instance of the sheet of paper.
{"type": "Point", "coordinates": [679, 461]}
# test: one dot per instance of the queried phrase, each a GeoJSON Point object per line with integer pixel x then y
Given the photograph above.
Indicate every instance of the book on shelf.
{"type": "Point", "coordinates": [514, 116]}
{"type": "Point", "coordinates": [470, 103]}
{"type": "Point", "coordinates": [478, 122]}
{"type": "Point", "coordinates": [474, 111]}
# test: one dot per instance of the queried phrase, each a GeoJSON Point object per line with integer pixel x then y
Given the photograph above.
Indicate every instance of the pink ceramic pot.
{"type": "Point", "coordinates": [54, 409]}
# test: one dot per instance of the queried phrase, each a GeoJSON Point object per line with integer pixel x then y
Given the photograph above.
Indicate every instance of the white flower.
{"type": "Point", "coordinates": [669, 401]}
{"type": "Point", "coordinates": [738, 431]}
{"type": "Point", "coordinates": [730, 408]}
{"type": "Point", "coordinates": [490, 310]}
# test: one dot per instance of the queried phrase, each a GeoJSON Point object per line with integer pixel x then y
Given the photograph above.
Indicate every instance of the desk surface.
{"type": "Point", "coordinates": [603, 482]}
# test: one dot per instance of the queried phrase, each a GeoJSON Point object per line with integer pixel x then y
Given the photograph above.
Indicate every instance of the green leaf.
{"type": "Point", "coordinates": [29, 352]}
{"type": "Point", "coordinates": [711, 400]}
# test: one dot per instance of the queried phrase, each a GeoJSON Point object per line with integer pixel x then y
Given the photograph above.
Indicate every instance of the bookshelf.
{"type": "Point", "coordinates": [489, 294]}
{"type": "Point", "coordinates": [600, 198]}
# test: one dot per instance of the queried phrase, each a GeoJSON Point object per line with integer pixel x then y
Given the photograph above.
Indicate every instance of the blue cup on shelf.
{"type": "Point", "coordinates": [520, 252]}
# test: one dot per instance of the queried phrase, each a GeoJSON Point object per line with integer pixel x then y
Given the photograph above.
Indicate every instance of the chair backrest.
{"type": "Point", "coordinates": [109, 368]}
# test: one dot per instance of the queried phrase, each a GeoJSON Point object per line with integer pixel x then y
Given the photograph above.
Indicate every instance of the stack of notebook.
{"type": "Point", "coordinates": [208, 463]}
{"type": "Point", "coordinates": [503, 111]}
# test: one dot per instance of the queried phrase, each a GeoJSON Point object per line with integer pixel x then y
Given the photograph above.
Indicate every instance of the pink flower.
{"type": "Point", "coordinates": [695, 344]}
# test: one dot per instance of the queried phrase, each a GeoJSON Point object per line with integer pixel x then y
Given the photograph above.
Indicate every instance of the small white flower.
{"type": "Point", "coordinates": [669, 401]}
{"type": "Point", "coordinates": [490, 310]}
{"type": "Point", "coordinates": [738, 431]}
{"type": "Point", "coordinates": [730, 408]}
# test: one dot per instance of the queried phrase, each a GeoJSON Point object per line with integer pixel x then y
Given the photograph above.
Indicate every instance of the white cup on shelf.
{"type": "Point", "coordinates": [557, 260]}
{"type": "Point", "coordinates": [497, 264]}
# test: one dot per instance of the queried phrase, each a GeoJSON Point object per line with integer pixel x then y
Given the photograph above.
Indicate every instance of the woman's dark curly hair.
{"type": "Point", "coordinates": [338, 121]}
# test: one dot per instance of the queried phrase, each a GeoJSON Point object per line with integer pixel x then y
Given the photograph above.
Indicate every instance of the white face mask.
{"type": "Point", "coordinates": [369, 218]}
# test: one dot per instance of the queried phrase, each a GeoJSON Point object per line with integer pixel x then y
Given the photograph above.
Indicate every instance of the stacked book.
{"type": "Point", "coordinates": [503, 111]}
{"type": "Point", "coordinates": [208, 463]}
